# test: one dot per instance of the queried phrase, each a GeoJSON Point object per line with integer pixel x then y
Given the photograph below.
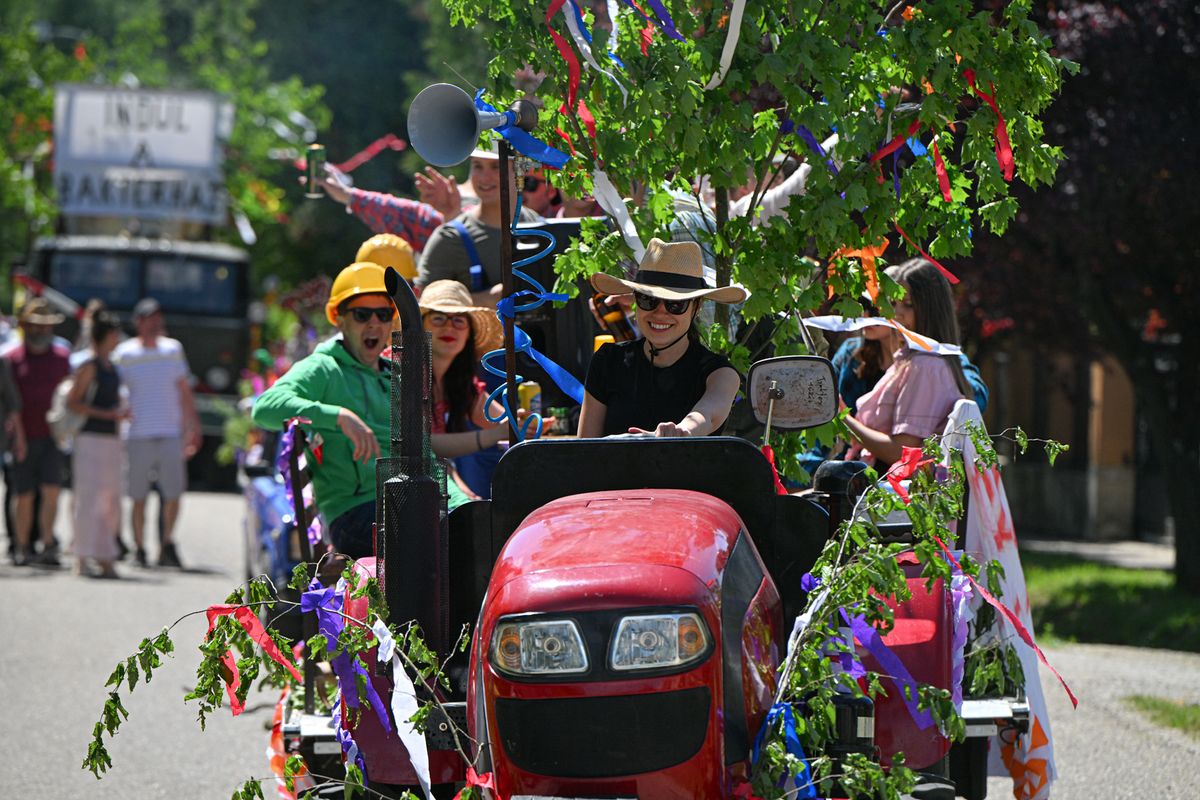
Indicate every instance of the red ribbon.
{"type": "Point", "coordinates": [896, 143]}
{"type": "Point", "coordinates": [253, 626]}
{"type": "Point", "coordinates": [939, 166]}
{"type": "Point", "coordinates": [770, 454]}
{"type": "Point", "coordinates": [390, 141]}
{"type": "Point", "coordinates": [1004, 153]}
{"type": "Point", "coordinates": [589, 123]}
{"type": "Point", "coordinates": [573, 71]}
{"type": "Point", "coordinates": [477, 781]}
{"type": "Point", "coordinates": [1012, 619]}
{"type": "Point", "coordinates": [950, 276]}
{"type": "Point", "coordinates": [910, 461]}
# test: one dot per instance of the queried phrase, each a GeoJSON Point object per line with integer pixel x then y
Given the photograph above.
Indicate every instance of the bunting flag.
{"type": "Point", "coordinates": [802, 780]}
{"type": "Point", "coordinates": [1004, 153]}
{"type": "Point", "coordinates": [253, 626]}
{"type": "Point", "coordinates": [583, 40]}
{"type": "Point", "coordinates": [950, 276]}
{"type": "Point", "coordinates": [573, 70]}
{"type": "Point", "coordinates": [477, 781]}
{"type": "Point", "coordinates": [522, 141]}
{"type": "Point", "coordinates": [732, 34]}
{"type": "Point", "coordinates": [910, 461]}
{"type": "Point", "coordinates": [867, 256]}
{"type": "Point", "coordinates": [943, 177]}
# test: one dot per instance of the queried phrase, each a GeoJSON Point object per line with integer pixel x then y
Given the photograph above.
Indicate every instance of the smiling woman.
{"type": "Point", "coordinates": [667, 383]}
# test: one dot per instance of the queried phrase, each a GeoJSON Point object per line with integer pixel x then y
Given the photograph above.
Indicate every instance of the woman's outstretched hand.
{"type": "Point", "coordinates": [664, 430]}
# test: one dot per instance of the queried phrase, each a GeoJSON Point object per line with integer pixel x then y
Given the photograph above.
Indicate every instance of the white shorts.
{"type": "Point", "coordinates": [157, 460]}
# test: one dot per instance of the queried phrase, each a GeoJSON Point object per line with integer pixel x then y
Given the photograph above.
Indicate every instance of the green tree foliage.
{"type": "Point", "coordinates": [1113, 245]}
{"type": "Point", "coordinates": [868, 70]}
{"type": "Point", "coordinates": [211, 45]}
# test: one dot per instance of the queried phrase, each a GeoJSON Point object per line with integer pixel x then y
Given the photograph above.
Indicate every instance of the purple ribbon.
{"type": "Point", "coordinates": [891, 665]}
{"type": "Point", "coordinates": [960, 599]}
{"type": "Point", "coordinates": [896, 172]}
{"type": "Point", "coordinates": [814, 145]}
{"type": "Point", "coordinates": [329, 603]}
{"type": "Point", "coordinates": [665, 23]}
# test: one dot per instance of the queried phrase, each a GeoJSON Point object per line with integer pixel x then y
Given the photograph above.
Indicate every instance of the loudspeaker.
{"type": "Point", "coordinates": [444, 125]}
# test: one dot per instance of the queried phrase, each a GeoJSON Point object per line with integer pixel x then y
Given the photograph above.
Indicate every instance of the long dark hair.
{"type": "Point", "coordinates": [458, 385]}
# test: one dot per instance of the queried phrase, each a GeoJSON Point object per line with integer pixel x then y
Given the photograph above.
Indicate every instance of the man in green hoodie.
{"type": "Point", "coordinates": [343, 389]}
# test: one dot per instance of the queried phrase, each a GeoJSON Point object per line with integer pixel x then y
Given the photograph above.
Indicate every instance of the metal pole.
{"type": "Point", "coordinates": [506, 281]}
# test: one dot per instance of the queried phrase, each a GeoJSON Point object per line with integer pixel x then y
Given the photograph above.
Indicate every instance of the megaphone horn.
{"type": "Point", "coordinates": [444, 125]}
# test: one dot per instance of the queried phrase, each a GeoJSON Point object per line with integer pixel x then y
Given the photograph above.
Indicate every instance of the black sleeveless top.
{"type": "Point", "coordinates": [107, 396]}
{"type": "Point", "coordinates": [641, 396]}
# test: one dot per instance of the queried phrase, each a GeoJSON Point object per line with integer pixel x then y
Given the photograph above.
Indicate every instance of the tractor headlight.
{"type": "Point", "coordinates": [658, 640]}
{"type": "Point", "coordinates": [542, 647]}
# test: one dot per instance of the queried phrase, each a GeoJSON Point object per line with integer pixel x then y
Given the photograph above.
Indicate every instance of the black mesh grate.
{"type": "Point", "coordinates": [410, 505]}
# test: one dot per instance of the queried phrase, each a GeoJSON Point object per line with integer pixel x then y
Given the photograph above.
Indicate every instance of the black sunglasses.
{"type": "Point", "coordinates": [363, 314]}
{"type": "Point", "coordinates": [647, 302]}
{"type": "Point", "coordinates": [532, 184]}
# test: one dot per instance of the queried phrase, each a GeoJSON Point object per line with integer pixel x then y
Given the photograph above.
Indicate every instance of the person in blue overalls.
{"type": "Point", "coordinates": [467, 248]}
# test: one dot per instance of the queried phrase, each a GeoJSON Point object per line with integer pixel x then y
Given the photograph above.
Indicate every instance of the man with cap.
{"type": "Point", "coordinates": [467, 248]}
{"type": "Point", "coordinates": [38, 365]}
{"type": "Point", "coordinates": [164, 429]}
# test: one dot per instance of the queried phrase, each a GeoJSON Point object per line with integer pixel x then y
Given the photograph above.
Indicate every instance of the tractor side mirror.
{"type": "Point", "coordinates": [790, 393]}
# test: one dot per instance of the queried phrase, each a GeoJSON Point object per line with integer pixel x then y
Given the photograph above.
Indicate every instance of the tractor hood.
{"type": "Point", "coordinates": [617, 549]}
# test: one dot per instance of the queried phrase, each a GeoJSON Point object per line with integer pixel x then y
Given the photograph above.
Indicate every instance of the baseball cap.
{"type": "Point", "coordinates": [146, 307]}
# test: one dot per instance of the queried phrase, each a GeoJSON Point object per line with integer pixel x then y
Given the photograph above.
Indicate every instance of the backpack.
{"type": "Point", "coordinates": [65, 423]}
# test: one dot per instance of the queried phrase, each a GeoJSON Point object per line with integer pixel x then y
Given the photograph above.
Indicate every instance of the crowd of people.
{"type": "Point", "coordinates": [135, 425]}
{"type": "Point", "coordinates": [136, 407]}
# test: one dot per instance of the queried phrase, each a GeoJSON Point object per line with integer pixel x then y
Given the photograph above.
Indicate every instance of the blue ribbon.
{"type": "Point", "coordinates": [814, 145]}
{"type": "Point", "coordinates": [507, 308]}
{"type": "Point", "coordinates": [525, 144]}
{"type": "Point", "coordinates": [803, 779]}
{"type": "Point", "coordinates": [918, 149]}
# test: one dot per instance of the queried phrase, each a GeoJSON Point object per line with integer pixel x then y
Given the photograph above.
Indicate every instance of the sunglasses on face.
{"type": "Point", "coordinates": [362, 314]}
{"type": "Point", "coordinates": [647, 302]}
{"type": "Point", "coordinates": [458, 322]}
{"type": "Point", "coordinates": [532, 184]}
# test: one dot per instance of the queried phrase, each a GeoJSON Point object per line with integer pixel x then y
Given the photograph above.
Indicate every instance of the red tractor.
{"type": "Point", "coordinates": [629, 600]}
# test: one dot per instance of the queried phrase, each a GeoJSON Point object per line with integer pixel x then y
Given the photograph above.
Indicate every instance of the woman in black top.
{"type": "Point", "coordinates": [97, 453]}
{"type": "Point", "coordinates": [667, 383]}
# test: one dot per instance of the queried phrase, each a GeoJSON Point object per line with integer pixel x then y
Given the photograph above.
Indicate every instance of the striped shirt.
{"type": "Point", "coordinates": [152, 375]}
{"type": "Point", "coordinates": [411, 220]}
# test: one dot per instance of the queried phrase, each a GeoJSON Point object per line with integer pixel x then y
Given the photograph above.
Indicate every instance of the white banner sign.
{"type": "Point", "coordinates": [140, 153]}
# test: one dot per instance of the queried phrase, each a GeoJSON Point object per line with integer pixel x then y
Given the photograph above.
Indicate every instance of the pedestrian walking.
{"type": "Point", "coordinates": [164, 428]}
{"type": "Point", "coordinates": [96, 396]}
{"type": "Point", "coordinates": [38, 365]}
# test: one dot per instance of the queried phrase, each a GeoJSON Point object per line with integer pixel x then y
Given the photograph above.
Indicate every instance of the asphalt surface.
{"type": "Point", "coordinates": [62, 635]}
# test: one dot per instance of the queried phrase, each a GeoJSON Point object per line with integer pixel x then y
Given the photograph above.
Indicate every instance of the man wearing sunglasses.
{"type": "Point", "coordinates": [343, 391]}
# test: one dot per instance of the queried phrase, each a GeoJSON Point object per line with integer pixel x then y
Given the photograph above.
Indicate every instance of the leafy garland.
{"type": "Point", "coordinates": [856, 570]}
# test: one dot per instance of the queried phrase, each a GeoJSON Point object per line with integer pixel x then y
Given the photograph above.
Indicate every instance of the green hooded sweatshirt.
{"type": "Point", "coordinates": [317, 388]}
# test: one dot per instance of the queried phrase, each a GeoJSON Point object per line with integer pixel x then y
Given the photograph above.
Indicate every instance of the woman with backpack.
{"type": "Point", "coordinates": [96, 395]}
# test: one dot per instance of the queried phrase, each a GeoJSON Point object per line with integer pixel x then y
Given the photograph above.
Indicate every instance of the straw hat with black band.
{"type": "Point", "coordinates": [670, 271]}
{"type": "Point", "coordinates": [451, 297]}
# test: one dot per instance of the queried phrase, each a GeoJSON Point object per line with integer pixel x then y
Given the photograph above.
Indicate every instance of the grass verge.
{"type": "Point", "coordinates": [1168, 713]}
{"type": "Point", "coordinates": [1075, 600]}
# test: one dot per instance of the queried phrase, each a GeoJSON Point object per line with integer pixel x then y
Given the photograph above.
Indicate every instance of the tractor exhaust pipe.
{"type": "Point", "coordinates": [411, 539]}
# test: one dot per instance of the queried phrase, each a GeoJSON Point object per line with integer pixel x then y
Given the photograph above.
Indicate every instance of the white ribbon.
{"type": "Point", "coordinates": [915, 341]}
{"type": "Point", "coordinates": [610, 200]}
{"type": "Point", "coordinates": [732, 34]}
{"type": "Point", "coordinates": [404, 706]}
{"type": "Point", "coordinates": [570, 11]}
{"type": "Point", "coordinates": [798, 627]}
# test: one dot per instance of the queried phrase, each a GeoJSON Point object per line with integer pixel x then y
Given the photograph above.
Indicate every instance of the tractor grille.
{"type": "Point", "coordinates": [602, 737]}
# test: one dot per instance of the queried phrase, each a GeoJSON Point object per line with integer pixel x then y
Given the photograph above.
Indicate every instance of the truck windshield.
{"type": "Point", "coordinates": [193, 286]}
{"type": "Point", "coordinates": [111, 277]}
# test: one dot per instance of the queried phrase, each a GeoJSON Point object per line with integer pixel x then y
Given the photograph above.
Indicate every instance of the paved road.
{"type": "Point", "coordinates": [62, 636]}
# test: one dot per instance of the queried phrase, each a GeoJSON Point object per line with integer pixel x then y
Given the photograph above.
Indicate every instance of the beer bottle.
{"type": "Point", "coordinates": [614, 319]}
